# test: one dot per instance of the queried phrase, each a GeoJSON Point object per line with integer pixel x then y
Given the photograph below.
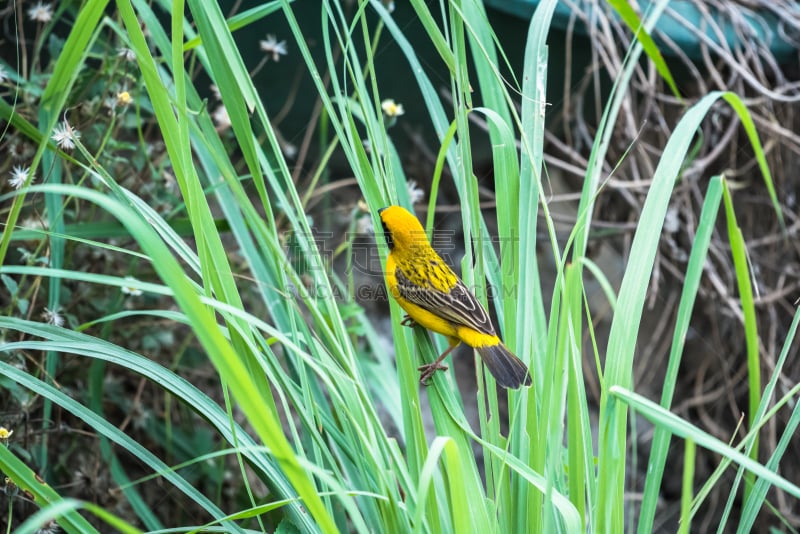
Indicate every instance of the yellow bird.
{"type": "Point", "coordinates": [434, 297]}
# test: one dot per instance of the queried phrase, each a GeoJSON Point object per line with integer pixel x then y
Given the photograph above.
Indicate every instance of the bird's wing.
{"type": "Point", "coordinates": [457, 305]}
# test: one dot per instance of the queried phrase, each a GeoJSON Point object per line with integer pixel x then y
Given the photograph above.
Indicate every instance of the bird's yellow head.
{"type": "Point", "coordinates": [402, 229]}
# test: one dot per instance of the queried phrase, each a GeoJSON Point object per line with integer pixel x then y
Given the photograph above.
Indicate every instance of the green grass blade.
{"type": "Point", "coordinates": [687, 490]}
{"type": "Point", "coordinates": [43, 494]}
{"type": "Point", "coordinates": [36, 523]}
{"type": "Point", "coordinates": [634, 23]}
{"type": "Point", "coordinates": [694, 271]}
{"type": "Point", "coordinates": [240, 20]}
{"type": "Point", "coordinates": [684, 429]}
{"type": "Point", "coordinates": [230, 367]}
{"type": "Point", "coordinates": [100, 425]}
{"type": "Point", "coordinates": [627, 316]}
{"type": "Point", "coordinates": [743, 281]}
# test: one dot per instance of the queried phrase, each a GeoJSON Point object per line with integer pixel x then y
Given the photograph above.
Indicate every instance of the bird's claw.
{"type": "Point", "coordinates": [428, 370]}
{"type": "Point", "coordinates": [408, 321]}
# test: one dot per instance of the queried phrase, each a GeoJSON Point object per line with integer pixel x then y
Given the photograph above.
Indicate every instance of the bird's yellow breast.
{"type": "Point", "coordinates": [420, 315]}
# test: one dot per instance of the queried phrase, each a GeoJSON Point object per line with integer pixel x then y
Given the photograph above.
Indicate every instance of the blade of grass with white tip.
{"type": "Point", "coordinates": [82, 276]}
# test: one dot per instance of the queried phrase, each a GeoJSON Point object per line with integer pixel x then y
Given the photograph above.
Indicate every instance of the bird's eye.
{"type": "Point", "coordinates": [388, 236]}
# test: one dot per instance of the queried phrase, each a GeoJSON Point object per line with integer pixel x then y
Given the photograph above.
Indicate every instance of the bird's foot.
{"type": "Point", "coordinates": [408, 321]}
{"type": "Point", "coordinates": [428, 370]}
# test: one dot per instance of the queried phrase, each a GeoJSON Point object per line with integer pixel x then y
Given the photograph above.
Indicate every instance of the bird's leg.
{"type": "Point", "coordinates": [408, 321]}
{"type": "Point", "coordinates": [428, 370]}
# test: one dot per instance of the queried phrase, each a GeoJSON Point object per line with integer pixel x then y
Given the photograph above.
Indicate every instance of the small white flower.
{"type": "Point", "coordinates": [41, 12]}
{"type": "Point", "coordinates": [391, 108]}
{"type": "Point", "coordinates": [272, 46]}
{"type": "Point", "coordinates": [19, 176]}
{"type": "Point", "coordinates": [221, 118]}
{"type": "Point", "coordinates": [131, 289]}
{"type": "Point", "coordinates": [53, 317]}
{"type": "Point", "coordinates": [5, 433]}
{"type": "Point", "coordinates": [415, 193]}
{"type": "Point", "coordinates": [127, 54]}
{"type": "Point", "coordinates": [65, 136]}
{"type": "Point", "coordinates": [3, 74]}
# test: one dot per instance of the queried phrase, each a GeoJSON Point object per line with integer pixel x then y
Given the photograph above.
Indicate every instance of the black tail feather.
{"type": "Point", "coordinates": [507, 369]}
